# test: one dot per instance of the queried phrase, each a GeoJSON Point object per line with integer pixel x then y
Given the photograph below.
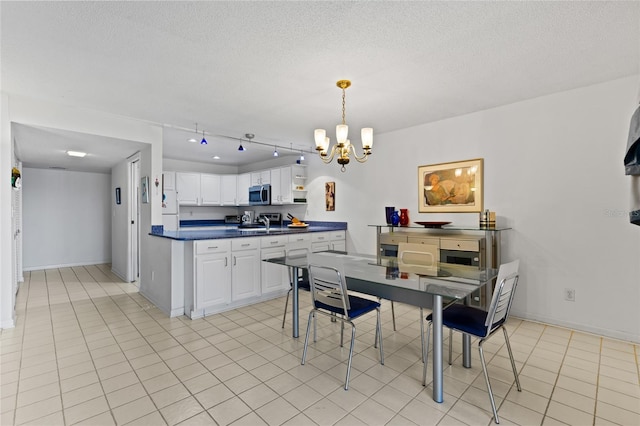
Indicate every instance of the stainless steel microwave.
{"type": "Point", "coordinates": [260, 195]}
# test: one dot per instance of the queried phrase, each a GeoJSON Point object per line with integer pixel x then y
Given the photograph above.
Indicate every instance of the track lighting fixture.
{"type": "Point", "coordinates": [275, 151]}
{"type": "Point", "coordinates": [203, 141]}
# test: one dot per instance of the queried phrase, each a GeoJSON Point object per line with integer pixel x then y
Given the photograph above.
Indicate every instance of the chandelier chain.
{"type": "Point", "coordinates": [343, 105]}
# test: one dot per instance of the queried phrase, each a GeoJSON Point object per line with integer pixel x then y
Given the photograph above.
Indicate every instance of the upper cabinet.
{"type": "Point", "coordinates": [288, 186]}
{"type": "Point", "coordinates": [261, 177]}
{"type": "Point", "coordinates": [198, 189]}
{"type": "Point", "coordinates": [229, 190]}
{"type": "Point", "coordinates": [244, 182]}
{"type": "Point", "coordinates": [188, 188]}
{"type": "Point", "coordinates": [169, 181]}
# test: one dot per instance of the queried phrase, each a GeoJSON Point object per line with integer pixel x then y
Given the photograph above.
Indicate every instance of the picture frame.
{"type": "Point", "coordinates": [330, 196]}
{"type": "Point", "coordinates": [118, 197]}
{"type": "Point", "coordinates": [144, 189]}
{"type": "Point", "coordinates": [455, 187]}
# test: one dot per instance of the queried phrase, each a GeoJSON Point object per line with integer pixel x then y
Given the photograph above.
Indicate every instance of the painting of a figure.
{"type": "Point", "coordinates": [450, 187]}
{"type": "Point", "coordinates": [330, 196]}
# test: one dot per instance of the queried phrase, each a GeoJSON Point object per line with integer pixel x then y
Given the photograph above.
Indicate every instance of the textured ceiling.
{"type": "Point", "coordinates": [270, 68]}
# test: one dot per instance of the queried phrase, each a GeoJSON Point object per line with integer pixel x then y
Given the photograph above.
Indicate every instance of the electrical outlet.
{"type": "Point", "coordinates": [570, 294]}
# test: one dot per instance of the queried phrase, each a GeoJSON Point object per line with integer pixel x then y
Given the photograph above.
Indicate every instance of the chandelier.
{"type": "Point", "coordinates": [343, 145]}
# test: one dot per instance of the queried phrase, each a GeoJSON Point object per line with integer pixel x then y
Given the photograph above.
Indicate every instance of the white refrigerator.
{"type": "Point", "coordinates": [170, 219]}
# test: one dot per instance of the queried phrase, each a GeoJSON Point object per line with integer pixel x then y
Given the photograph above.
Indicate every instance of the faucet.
{"type": "Point", "coordinates": [264, 220]}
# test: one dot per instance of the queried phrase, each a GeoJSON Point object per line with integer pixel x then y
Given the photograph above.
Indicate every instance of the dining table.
{"type": "Point", "coordinates": [383, 278]}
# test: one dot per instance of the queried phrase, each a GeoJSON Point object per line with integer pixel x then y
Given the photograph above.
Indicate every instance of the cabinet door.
{"type": "Point", "coordinates": [261, 177]}
{"type": "Point", "coordinates": [209, 190]}
{"type": "Point", "coordinates": [285, 185]}
{"type": "Point", "coordinates": [169, 181]}
{"type": "Point", "coordinates": [188, 188]}
{"type": "Point", "coordinates": [245, 277]}
{"type": "Point", "coordinates": [340, 245]}
{"type": "Point", "coordinates": [229, 190]}
{"type": "Point", "coordinates": [213, 280]}
{"type": "Point", "coordinates": [276, 188]}
{"type": "Point", "coordinates": [244, 182]}
{"type": "Point", "coordinates": [320, 246]}
{"type": "Point", "coordinates": [273, 277]}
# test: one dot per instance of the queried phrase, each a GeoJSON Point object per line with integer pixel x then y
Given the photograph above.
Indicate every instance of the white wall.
{"type": "Point", "coordinates": [66, 218]}
{"type": "Point", "coordinates": [553, 172]}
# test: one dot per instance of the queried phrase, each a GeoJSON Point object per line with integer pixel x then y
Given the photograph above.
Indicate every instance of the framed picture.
{"type": "Point", "coordinates": [451, 187]}
{"type": "Point", "coordinates": [330, 196]}
{"type": "Point", "coordinates": [118, 199]}
{"type": "Point", "coordinates": [144, 189]}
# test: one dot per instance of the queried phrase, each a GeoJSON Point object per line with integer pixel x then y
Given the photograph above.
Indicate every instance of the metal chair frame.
{"type": "Point", "coordinates": [496, 317]}
{"type": "Point", "coordinates": [333, 292]}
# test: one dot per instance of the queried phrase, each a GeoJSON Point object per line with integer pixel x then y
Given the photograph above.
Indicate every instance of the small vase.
{"type": "Point", "coordinates": [395, 218]}
{"type": "Point", "coordinates": [404, 217]}
{"type": "Point", "coordinates": [388, 212]}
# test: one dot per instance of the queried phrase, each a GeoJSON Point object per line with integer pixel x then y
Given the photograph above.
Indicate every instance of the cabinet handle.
{"type": "Point", "coordinates": [212, 247]}
{"type": "Point", "coordinates": [275, 242]}
{"type": "Point", "coordinates": [225, 261]}
{"type": "Point", "coordinates": [245, 245]}
{"type": "Point", "coordinates": [234, 261]}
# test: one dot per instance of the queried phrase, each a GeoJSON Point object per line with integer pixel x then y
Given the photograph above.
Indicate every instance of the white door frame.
{"type": "Point", "coordinates": [133, 219]}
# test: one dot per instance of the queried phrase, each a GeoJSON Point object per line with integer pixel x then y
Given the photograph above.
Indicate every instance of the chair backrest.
{"type": "Point", "coordinates": [418, 258]}
{"type": "Point", "coordinates": [295, 252]}
{"type": "Point", "coordinates": [502, 295]}
{"type": "Point", "coordinates": [328, 284]}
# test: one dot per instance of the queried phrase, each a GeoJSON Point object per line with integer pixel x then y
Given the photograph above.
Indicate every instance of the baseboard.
{"type": "Point", "coordinates": [601, 332]}
{"type": "Point", "coordinates": [66, 265]}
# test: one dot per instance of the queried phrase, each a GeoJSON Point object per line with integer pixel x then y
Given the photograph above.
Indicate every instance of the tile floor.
{"type": "Point", "coordinates": [88, 349]}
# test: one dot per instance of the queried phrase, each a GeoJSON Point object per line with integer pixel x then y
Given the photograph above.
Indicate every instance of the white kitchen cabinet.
{"type": "Point", "coordinates": [273, 277]}
{"type": "Point", "coordinates": [169, 181]}
{"type": "Point", "coordinates": [245, 271]}
{"type": "Point", "coordinates": [198, 189]}
{"type": "Point", "coordinates": [229, 190]}
{"type": "Point", "coordinates": [244, 182]}
{"type": "Point", "coordinates": [188, 188]}
{"type": "Point", "coordinates": [212, 274]}
{"type": "Point", "coordinates": [261, 177]}
{"type": "Point", "coordinates": [210, 190]}
{"type": "Point", "coordinates": [332, 240]}
{"type": "Point", "coordinates": [281, 185]}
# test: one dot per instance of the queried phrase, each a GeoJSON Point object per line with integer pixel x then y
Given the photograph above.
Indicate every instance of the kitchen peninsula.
{"type": "Point", "coordinates": [201, 272]}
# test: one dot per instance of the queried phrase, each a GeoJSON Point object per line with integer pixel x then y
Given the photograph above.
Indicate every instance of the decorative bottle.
{"type": "Point", "coordinates": [404, 217]}
{"type": "Point", "coordinates": [395, 218]}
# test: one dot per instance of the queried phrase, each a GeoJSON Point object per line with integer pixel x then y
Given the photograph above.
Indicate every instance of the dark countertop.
{"type": "Point", "coordinates": [216, 233]}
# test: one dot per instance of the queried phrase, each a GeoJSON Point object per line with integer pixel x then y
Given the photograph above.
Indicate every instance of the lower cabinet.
{"type": "Point", "coordinates": [245, 274]}
{"type": "Point", "coordinates": [274, 277]}
{"type": "Point", "coordinates": [230, 273]}
{"type": "Point", "coordinates": [212, 281]}
{"type": "Point", "coordinates": [323, 241]}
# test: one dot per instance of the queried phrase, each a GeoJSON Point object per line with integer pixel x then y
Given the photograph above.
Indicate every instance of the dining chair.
{"type": "Point", "coordinates": [419, 259]}
{"type": "Point", "coordinates": [483, 324]}
{"type": "Point", "coordinates": [330, 297]}
{"type": "Point", "coordinates": [303, 279]}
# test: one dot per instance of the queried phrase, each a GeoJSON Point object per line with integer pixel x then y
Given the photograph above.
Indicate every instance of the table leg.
{"type": "Point", "coordinates": [466, 350]}
{"type": "Point", "coordinates": [437, 348]}
{"type": "Point", "coordinates": [294, 301]}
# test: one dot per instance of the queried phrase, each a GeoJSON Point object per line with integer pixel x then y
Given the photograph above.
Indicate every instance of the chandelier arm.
{"type": "Point", "coordinates": [361, 159]}
{"type": "Point", "coordinates": [328, 159]}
